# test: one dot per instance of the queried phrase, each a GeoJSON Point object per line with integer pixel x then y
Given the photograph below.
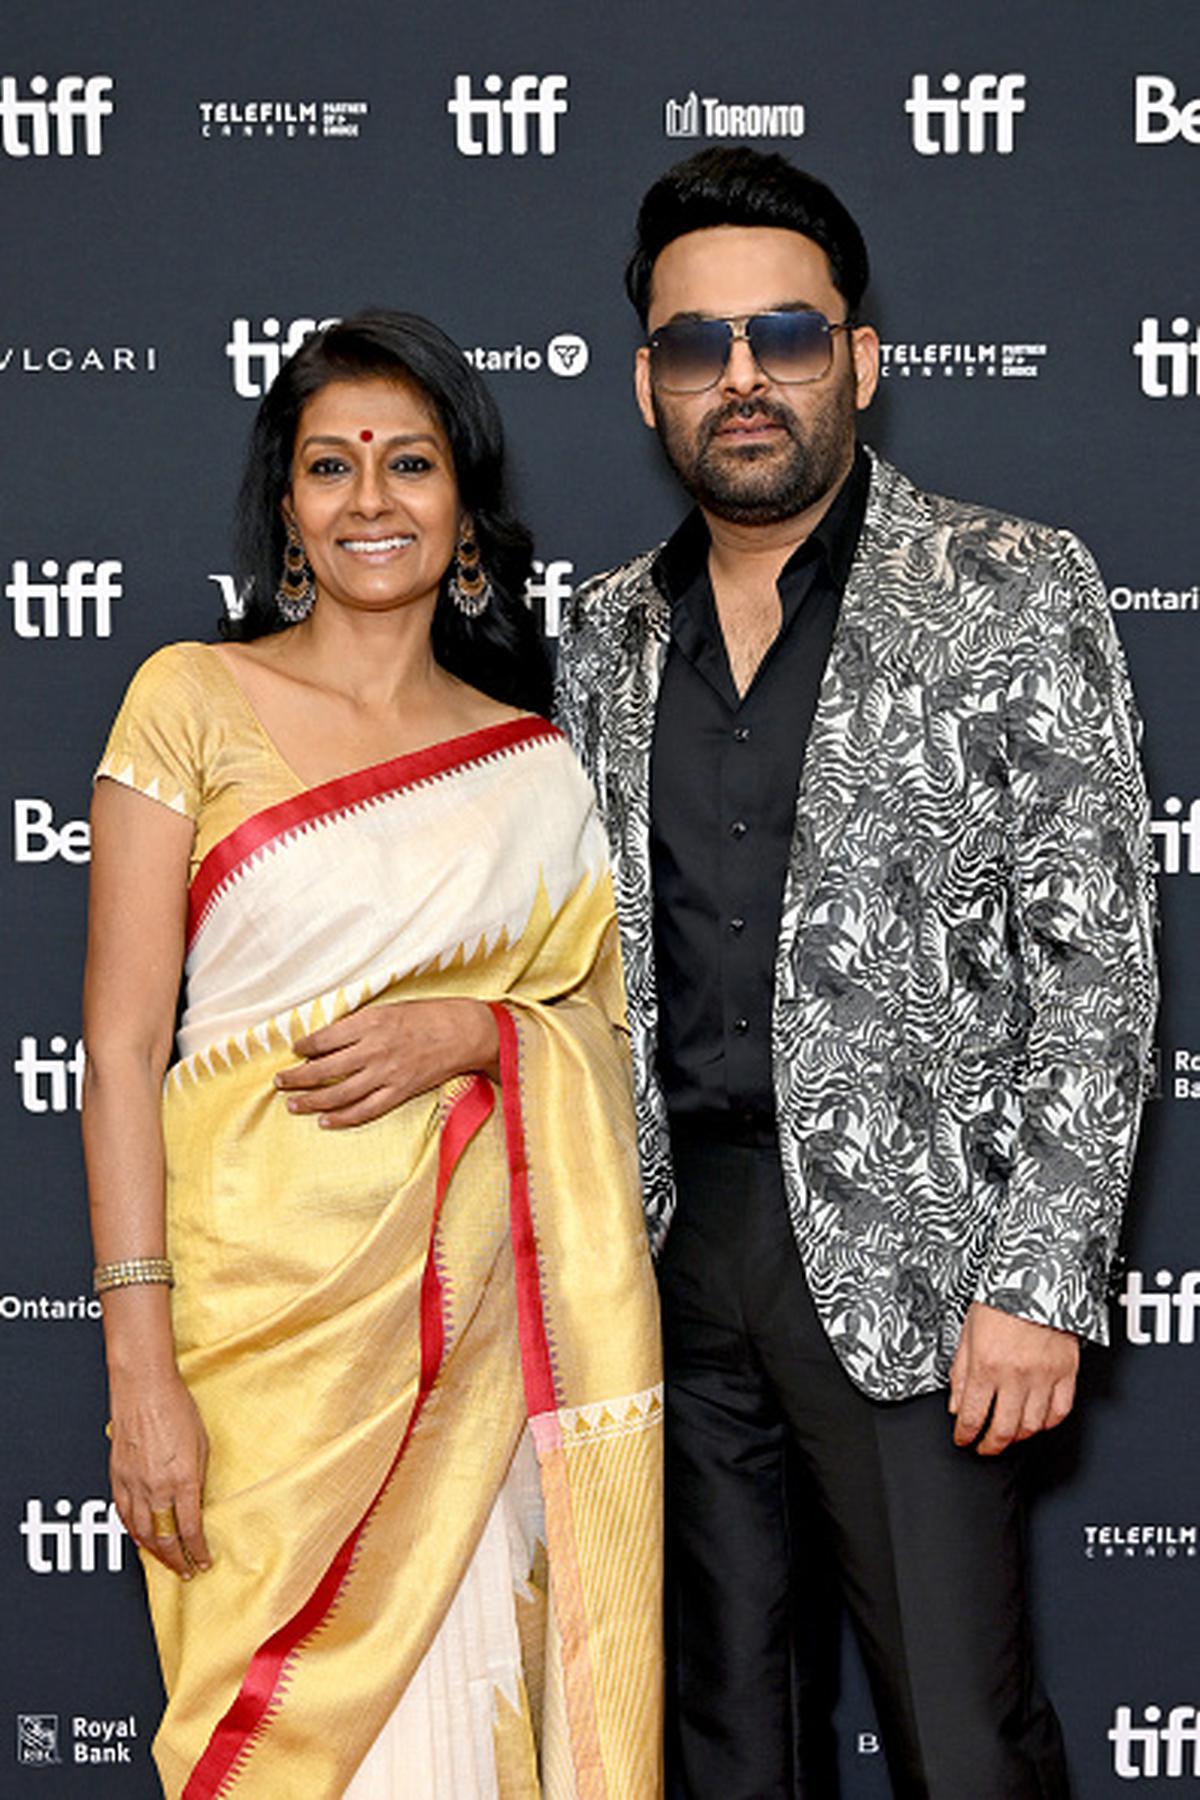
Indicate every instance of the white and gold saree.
{"type": "Point", "coordinates": [425, 1349]}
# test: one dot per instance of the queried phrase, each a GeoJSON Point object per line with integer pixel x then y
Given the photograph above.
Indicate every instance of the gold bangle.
{"type": "Point", "coordinates": [130, 1273]}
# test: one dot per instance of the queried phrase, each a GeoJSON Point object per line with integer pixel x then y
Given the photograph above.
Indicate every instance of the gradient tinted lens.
{"type": "Point", "coordinates": [792, 346]}
{"type": "Point", "coordinates": [689, 355]}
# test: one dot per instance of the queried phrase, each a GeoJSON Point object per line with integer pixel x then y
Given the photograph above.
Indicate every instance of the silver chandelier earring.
{"type": "Point", "coordinates": [297, 591]}
{"type": "Point", "coordinates": [470, 588]}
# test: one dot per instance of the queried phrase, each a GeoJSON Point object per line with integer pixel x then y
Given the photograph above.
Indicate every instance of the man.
{"type": "Point", "coordinates": [867, 759]}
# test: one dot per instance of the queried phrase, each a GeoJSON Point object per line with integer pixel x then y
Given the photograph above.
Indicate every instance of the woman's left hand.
{"type": "Point", "coordinates": [371, 1061]}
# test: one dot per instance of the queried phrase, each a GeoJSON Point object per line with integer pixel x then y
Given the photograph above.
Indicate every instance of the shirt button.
{"type": "Point", "coordinates": [738, 829]}
{"type": "Point", "coordinates": [741, 1026]}
{"type": "Point", "coordinates": [741, 734]}
{"type": "Point", "coordinates": [738, 924]}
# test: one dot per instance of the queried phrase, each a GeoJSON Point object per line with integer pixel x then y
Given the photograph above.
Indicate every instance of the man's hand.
{"type": "Point", "coordinates": [371, 1061]}
{"type": "Point", "coordinates": [1021, 1373]}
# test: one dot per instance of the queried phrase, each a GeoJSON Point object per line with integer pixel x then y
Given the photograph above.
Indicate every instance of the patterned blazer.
{"type": "Point", "coordinates": [964, 985]}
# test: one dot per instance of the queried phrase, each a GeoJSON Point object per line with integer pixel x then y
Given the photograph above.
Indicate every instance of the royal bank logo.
{"type": "Point", "coordinates": [1185, 1075]}
{"type": "Point", "coordinates": [1141, 1542]}
{"type": "Point", "coordinates": [702, 115]}
{"type": "Point", "coordinates": [1169, 361]}
{"type": "Point", "coordinates": [508, 119]}
{"type": "Point", "coordinates": [566, 355]}
{"type": "Point", "coordinates": [51, 1081]}
{"type": "Point", "coordinates": [88, 1539]}
{"type": "Point", "coordinates": [977, 116]}
{"type": "Point", "coordinates": [281, 119]}
{"type": "Point", "coordinates": [257, 352]}
{"type": "Point", "coordinates": [65, 121]}
{"type": "Point", "coordinates": [1158, 1747]}
{"type": "Point", "coordinates": [1176, 837]}
{"type": "Point", "coordinates": [1158, 116]}
{"type": "Point", "coordinates": [1155, 599]}
{"type": "Point", "coordinates": [963, 360]}
{"type": "Point", "coordinates": [37, 1740]}
{"type": "Point", "coordinates": [1164, 1313]}
{"type": "Point", "coordinates": [73, 600]}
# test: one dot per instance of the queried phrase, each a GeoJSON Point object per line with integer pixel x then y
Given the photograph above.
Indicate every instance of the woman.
{"type": "Point", "coordinates": [386, 886]}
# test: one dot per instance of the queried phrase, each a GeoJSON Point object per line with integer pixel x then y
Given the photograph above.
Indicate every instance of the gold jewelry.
{"type": "Point", "coordinates": [163, 1523]}
{"type": "Point", "coordinates": [297, 591]}
{"type": "Point", "coordinates": [132, 1272]}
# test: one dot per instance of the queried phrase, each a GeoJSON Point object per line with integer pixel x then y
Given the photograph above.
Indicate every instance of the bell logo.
{"type": "Point", "coordinates": [37, 839]}
{"type": "Point", "coordinates": [1156, 117]}
{"type": "Point", "coordinates": [79, 101]}
{"type": "Point", "coordinates": [74, 604]}
{"type": "Point", "coordinates": [989, 100]}
{"type": "Point", "coordinates": [257, 360]}
{"type": "Point", "coordinates": [63, 1545]}
{"type": "Point", "coordinates": [1170, 365]}
{"type": "Point", "coordinates": [537, 99]}
{"type": "Point", "coordinates": [1155, 1748]}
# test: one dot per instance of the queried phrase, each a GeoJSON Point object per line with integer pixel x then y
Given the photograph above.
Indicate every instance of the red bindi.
{"type": "Point", "coordinates": [366, 436]}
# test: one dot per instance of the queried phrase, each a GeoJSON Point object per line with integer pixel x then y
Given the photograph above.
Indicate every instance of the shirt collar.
{"type": "Point", "coordinates": [684, 556]}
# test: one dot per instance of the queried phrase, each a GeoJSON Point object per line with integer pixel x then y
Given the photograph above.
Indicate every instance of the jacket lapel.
{"type": "Point", "coordinates": [868, 661]}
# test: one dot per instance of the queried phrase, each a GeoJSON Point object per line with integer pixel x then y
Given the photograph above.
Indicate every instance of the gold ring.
{"type": "Point", "coordinates": [163, 1523]}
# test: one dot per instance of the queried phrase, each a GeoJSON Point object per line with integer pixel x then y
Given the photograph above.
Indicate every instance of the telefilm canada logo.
{"type": "Point", "coordinates": [1168, 358]}
{"type": "Point", "coordinates": [978, 114]}
{"type": "Point", "coordinates": [962, 360]}
{"type": "Point", "coordinates": [703, 115]}
{"type": "Point", "coordinates": [72, 600]}
{"type": "Point", "coordinates": [1162, 1745]}
{"type": "Point", "coordinates": [1141, 1542]}
{"type": "Point", "coordinates": [509, 118]}
{"type": "Point", "coordinates": [63, 118]}
{"type": "Point", "coordinates": [1159, 117]}
{"type": "Point", "coordinates": [545, 592]}
{"type": "Point", "coordinates": [281, 119]}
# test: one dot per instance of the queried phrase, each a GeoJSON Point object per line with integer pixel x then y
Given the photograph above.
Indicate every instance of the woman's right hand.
{"type": "Point", "coordinates": [159, 1454]}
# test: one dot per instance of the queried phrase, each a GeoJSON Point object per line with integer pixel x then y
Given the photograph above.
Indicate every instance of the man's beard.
{"type": "Point", "coordinates": [758, 485]}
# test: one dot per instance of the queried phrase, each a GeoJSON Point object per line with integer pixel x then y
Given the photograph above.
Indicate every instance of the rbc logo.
{"type": "Point", "coordinates": [989, 99]}
{"type": "Point", "coordinates": [257, 360]}
{"type": "Point", "coordinates": [541, 99]}
{"type": "Point", "coordinates": [61, 604]}
{"type": "Point", "coordinates": [1156, 117]}
{"type": "Point", "coordinates": [37, 1739]}
{"type": "Point", "coordinates": [78, 100]}
{"type": "Point", "coordinates": [1170, 366]}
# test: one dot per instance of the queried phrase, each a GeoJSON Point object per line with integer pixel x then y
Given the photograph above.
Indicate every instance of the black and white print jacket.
{"type": "Point", "coordinates": [964, 986]}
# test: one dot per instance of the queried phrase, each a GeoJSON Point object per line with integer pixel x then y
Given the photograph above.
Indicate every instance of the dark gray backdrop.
{"type": "Point", "coordinates": [1013, 281]}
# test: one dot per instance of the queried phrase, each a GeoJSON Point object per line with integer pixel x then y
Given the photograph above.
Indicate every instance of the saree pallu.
{"type": "Point", "coordinates": [374, 1321]}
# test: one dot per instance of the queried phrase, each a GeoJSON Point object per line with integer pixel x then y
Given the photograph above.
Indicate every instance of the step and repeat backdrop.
{"type": "Point", "coordinates": [184, 192]}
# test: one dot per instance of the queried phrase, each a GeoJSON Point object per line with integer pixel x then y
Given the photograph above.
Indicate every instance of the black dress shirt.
{"type": "Point", "coordinates": [724, 775]}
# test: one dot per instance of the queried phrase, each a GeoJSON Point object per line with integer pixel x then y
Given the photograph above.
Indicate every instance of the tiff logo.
{"type": "Point", "coordinates": [1173, 832]}
{"type": "Point", "coordinates": [76, 604]}
{"type": "Point", "coordinates": [65, 1546]}
{"type": "Point", "coordinates": [990, 100]}
{"type": "Point", "coordinates": [79, 100]}
{"type": "Point", "coordinates": [1170, 366]}
{"type": "Point", "coordinates": [1156, 117]}
{"type": "Point", "coordinates": [1167, 1317]}
{"type": "Point", "coordinates": [531, 99]}
{"type": "Point", "coordinates": [51, 1083]}
{"type": "Point", "coordinates": [548, 587]}
{"type": "Point", "coordinates": [257, 360]}
{"type": "Point", "coordinates": [1152, 1748]}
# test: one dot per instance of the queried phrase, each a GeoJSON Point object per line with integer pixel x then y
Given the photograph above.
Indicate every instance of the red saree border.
{"type": "Point", "coordinates": [344, 793]}
{"type": "Point", "coordinates": [260, 1692]}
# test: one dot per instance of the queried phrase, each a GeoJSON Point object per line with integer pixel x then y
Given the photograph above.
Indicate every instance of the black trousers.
{"type": "Point", "coordinates": [782, 1475]}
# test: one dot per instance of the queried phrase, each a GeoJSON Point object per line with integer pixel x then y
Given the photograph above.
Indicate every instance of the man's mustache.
{"type": "Point", "coordinates": [746, 409]}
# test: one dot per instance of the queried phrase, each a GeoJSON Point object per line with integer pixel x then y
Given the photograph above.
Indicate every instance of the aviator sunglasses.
{"type": "Point", "coordinates": [689, 355]}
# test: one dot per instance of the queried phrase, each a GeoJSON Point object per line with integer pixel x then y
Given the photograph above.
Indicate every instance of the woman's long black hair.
{"type": "Point", "coordinates": [502, 651]}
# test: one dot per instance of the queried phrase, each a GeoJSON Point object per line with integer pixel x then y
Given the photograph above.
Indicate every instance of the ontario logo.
{"type": "Point", "coordinates": [566, 355]}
